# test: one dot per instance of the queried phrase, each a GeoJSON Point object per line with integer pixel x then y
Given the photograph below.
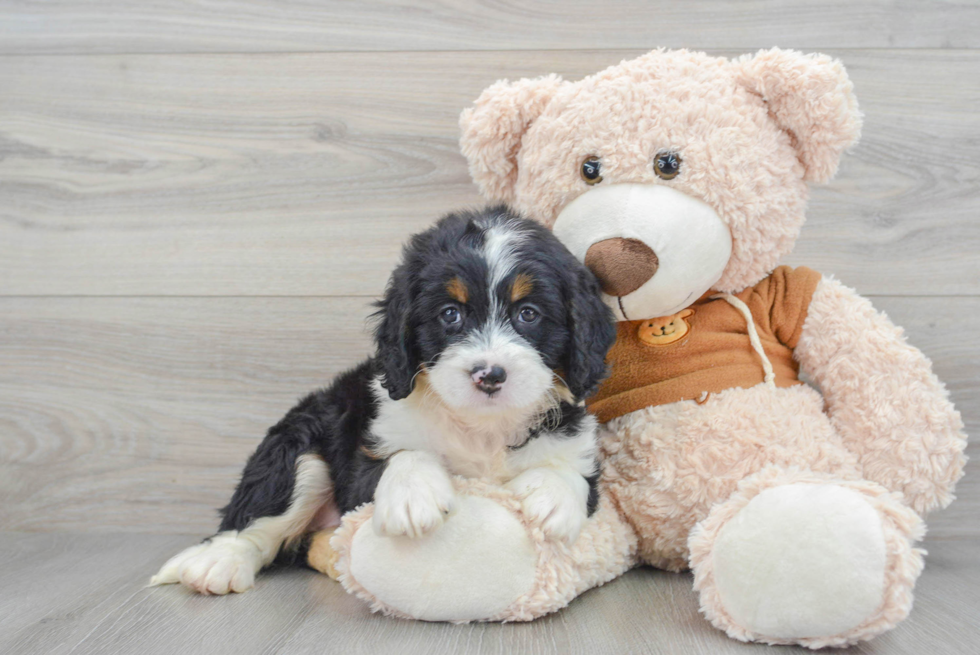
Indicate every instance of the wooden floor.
{"type": "Point", "coordinates": [199, 201]}
{"type": "Point", "coordinates": [85, 594]}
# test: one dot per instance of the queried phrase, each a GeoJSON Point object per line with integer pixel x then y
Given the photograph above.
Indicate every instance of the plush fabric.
{"type": "Point", "coordinates": [501, 565]}
{"type": "Point", "coordinates": [433, 577]}
{"type": "Point", "coordinates": [719, 113]}
{"type": "Point", "coordinates": [815, 550]}
{"type": "Point", "coordinates": [883, 398]}
{"type": "Point", "coordinates": [622, 265]}
{"type": "Point", "coordinates": [781, 571]}
{"type": "Point", "coordinates": [797, 509]}
{"type": "Point", "coordinates": [660, 218]}
{"type": "Point", "coordinates": [713, 354]}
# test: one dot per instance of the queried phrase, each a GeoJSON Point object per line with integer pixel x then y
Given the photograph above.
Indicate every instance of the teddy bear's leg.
{"type": "Point", "coordinates": [797, 557]}
{"type": "Point", "coordinates": [486, 562]}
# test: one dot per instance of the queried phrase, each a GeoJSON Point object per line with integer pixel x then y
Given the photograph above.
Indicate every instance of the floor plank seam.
{"type": "Point", "coordinates": [239, 53]}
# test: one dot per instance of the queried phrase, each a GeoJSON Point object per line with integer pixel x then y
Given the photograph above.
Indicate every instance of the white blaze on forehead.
{"type": "Point", "coordinates": [500, 251]}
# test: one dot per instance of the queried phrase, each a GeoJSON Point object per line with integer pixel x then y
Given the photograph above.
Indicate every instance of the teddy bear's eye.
{"type": "Point", "coordinates": [667, 165]}
{"type": "Point", "coordinates": [590, 170]}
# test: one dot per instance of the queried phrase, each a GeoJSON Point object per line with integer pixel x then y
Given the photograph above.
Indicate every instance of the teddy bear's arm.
{"type": "Point", "coordinates": [882, 396]}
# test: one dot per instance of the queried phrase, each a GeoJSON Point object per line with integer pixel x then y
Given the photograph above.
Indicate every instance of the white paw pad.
{"type": "Point", "coordinates": [221, 565]}
{"type": "Point", "coordinates": [473, 567]}
{"type": "Point", "coordinates": [414, 496]}
{"type": "Point", "coordinates": [801, 560]}
{"type": "Point", "coordinates": [550, 502]}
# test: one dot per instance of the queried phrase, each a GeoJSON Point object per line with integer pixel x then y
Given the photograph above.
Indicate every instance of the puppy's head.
{"type": "Point", "coordinates": [495, 312]}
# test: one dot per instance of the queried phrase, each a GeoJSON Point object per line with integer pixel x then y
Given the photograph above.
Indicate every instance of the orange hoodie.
{"type": "Point", "coordinates": [705, 349]}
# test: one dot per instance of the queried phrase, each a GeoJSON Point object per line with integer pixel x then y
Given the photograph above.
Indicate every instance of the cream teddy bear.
{"type": "Point", "coordinates": [681, 179]}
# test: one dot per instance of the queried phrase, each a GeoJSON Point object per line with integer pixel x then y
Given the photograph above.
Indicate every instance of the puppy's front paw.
{"type": "Point", "coordinates": [548, 500]}
{"type": "Point", "coordinates": [221, 565]}
{"type": "Point", "coordinates": [413, 497]}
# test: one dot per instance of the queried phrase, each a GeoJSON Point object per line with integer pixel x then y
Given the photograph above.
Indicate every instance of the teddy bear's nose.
{"type": "Point", "coordinates": [622, 265]}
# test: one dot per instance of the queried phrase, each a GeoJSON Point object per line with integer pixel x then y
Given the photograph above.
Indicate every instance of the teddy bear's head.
{"type": "Point", "coordinates": [670, 174]}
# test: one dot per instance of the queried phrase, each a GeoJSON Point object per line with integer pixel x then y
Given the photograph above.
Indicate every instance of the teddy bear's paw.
{"type": "Point", "coordinates": [547, 500]}
{"type": "Point", "coordinates": [221, 565]}
{"type": "Point", "coordinates": [413, 497]}
{"type": "Point", "coordinates": [473, 568]}
{"type": "Point", "coordinates": [801, 561]}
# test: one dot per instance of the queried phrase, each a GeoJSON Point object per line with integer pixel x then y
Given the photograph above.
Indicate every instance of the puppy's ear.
{"type": "Point", "coordinates": [811, 98]}
{"type": "Point", "coordinates": [593, 332]}
{"type": "Point", "coordinates": [493, 128]}
{"type": "Point", "coordinates": [394, 337]}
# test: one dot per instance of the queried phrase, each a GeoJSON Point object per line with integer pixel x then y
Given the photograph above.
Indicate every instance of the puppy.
{"type": "Point", "coordinates": [491, 333]}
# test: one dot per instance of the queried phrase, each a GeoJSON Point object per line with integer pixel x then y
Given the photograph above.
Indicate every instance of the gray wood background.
{"type": "Point", "coordinates": [199, 201]}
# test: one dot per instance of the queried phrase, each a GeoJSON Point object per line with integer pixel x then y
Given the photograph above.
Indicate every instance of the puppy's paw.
{"type": "Point", "coordinates": [414, 496]}
{"type": "Point", "coordinates": [412, 510]}
{"type": "Point", "coordinates": [221, 565]}
{"type": "Point", "coordinates": [549, 501]}
{"type": "Point", "coordinates": [169, 573]}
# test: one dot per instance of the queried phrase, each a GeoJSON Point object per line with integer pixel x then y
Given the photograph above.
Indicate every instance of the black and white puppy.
{"type": "Point", "coordinates": [490, 335]}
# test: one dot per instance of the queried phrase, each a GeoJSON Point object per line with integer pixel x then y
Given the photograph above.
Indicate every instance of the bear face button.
{"type": "Point", "coordinates": [665, 330]}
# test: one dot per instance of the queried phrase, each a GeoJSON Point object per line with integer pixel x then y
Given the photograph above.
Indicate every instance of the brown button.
{"type": "Point", "coordinates": [665, 330]}
{"type": "Point", "coordinates": [621, 265]}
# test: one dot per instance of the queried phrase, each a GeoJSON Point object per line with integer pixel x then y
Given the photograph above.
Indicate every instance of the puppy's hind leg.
{"type": "Point", "coordinates": [251, 537]}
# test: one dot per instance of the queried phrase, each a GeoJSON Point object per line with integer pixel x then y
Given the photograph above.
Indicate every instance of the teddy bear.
{"type": "Point", "coordinates": [681, 179]}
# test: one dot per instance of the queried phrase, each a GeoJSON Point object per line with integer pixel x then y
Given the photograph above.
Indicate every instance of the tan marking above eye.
{"type": "Point", "coordinates": [458, 290]}
{"type": "Point", "coordinates": [522, 287]}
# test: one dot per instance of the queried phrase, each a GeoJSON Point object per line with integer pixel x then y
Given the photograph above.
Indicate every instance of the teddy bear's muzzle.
{"type": "Point", "coordinates": [621, 265]}
{"type": "Point", "coordinates": [654, 249]}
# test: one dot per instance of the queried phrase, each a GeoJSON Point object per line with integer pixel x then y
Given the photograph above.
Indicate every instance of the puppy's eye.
{"type": "Point", "coordinates": [590, 170]}
{"type": "Point", "coordinates": [450, 315]}
{"type": "Point", "coordinates": [528, 315]}
{"type": "Point", "coordinates": [667, 165]}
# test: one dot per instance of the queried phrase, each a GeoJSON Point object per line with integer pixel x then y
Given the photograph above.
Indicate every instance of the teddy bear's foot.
{"type": "Point", "coordinates": [487, 562]}
{"type": "Point", "coordinates": [472, 567]}
{"type": "Point", "coordinates": [800, 558]}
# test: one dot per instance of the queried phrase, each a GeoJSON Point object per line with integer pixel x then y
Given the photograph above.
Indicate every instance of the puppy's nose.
{"type": "Point", "coordinates": [621, 265]}
{"type": "Point", "coordinates": [488, 378]}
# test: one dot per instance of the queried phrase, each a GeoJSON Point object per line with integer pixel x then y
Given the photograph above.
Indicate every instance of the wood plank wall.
{"type": "Point", "coordinates": [199, 201]}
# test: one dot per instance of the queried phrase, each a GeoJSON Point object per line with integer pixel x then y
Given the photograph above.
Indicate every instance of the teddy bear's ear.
{"type": "Point", "coordinates": [493, 128]}
{"type": "Point", "coordinates": [811, 98]}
